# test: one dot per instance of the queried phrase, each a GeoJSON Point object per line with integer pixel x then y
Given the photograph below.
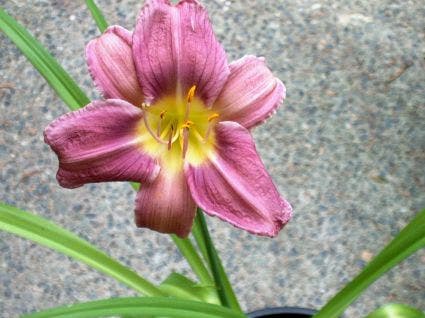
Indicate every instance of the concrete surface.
{"type": "Point", "coordinates": [346, 149]}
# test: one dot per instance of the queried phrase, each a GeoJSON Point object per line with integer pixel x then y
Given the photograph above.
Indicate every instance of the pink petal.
{"type": "Point", "coordinates": [98, 143]}
{"type": "Point", "coordinates": [111, 66]}
{"type": "Point", "coordinates": [251, 93]}
{"type": "Point", "coordinates": [174, 48]}
{"type": "Point", "coordinates": [235, 186]}
{"type": "Point", "coordinates": [166, 205]}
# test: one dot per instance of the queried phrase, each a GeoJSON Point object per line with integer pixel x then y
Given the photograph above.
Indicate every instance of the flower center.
{"type": "Point", "coordinates": [178, 128]}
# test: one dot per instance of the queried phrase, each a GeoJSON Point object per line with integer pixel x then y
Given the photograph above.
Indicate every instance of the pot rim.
{"type": "Point", "coordinates": [281, 310]}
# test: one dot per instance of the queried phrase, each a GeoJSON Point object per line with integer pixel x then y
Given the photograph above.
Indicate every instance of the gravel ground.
{"type": "Point", "coordinates": [346, 149]}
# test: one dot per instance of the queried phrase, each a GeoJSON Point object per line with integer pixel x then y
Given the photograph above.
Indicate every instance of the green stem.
{"type": "Point", "coordinates": [188, 251]}
{"type": "Point", "coordinates": [408, 241]}
{"type": "Point", "coordinates": [197, 234]}
{"type": "Point", "coordinates": [224, 289]}
{"type": "Point", "coordinates": [97, 16]}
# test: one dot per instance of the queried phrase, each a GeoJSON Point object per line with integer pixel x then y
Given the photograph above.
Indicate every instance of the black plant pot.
{"type": "Point", "coordinates": [282, 312]}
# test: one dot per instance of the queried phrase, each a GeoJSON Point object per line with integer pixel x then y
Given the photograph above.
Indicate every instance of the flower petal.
{"type": "Point", "coordinates": [99, 143]}
{"type": "Point", "coordinates": [174, 48]}
{"type": "Point", "coordinates": [111, 66]}
{"type": "Point", "coordinates": [166, 205]}
{"type": "Point", "coordinates": [251, 93]}
{"type": "Point", "coordinates": [235, 186]}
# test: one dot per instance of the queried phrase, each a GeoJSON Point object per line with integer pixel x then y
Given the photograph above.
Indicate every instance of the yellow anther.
{"type": "Point", "coordinates": [191, 93]}
{"type": "Point", "coordinates": [187, 124]}
{"type": "Point", "coordinates": [213, 116]}
{"type": "Point", "coordinates": [162, 114]}
{"type": "Point", "coordinates": [145, 106]}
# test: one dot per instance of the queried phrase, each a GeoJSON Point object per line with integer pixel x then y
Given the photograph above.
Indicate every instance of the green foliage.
{"type": "Point", "coordinates": [396, 311]}
{"type": "Point", "coordinates": [43, 232]}
{"type": "Point", "coordinates": [48, 67]}
{"type": "Point", "coordinates": [184, 288]}
{"type": "Point", "coordinates": [408, 241]}
{"type": "Point", "coordinates": [97, 15]}
{"type": "Point", "coordinates": [139, 307]}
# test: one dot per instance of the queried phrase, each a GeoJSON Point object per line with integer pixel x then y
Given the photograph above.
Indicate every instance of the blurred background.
{"type": "Point", "coordinates": [347, 149]}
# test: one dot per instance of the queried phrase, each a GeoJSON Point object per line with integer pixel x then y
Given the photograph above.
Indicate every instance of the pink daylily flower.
{"type": "Point", "coordinates": [176, 118]}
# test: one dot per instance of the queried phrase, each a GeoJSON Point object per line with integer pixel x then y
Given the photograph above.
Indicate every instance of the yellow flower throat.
{"type": "Point", "coordinates": [177, 128]}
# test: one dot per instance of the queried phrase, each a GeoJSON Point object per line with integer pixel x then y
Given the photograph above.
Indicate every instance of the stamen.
{"type": "Point", "coordinates": [211, 123]}
{"type": "Point", "coordinates": [148, 127]}
{"type": "Point", "coordinates": [191, 93]}
{"type": "Point", "coordinates": [185, 141]}
{"type": "Point", "coordinates": [158, 128]}
{"type": "Point", "coordinates": [185, 136]}
{"type": "Point", "coordinates": [189, 98]}
{"type": "Point", "coordinates": [170, 137]}
{"type": "Point", "coordinates": [187, 124]}
{"type": "Point", "coordinates": [213, 116]}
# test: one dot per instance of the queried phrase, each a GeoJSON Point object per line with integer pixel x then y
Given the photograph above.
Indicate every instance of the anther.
{"type": "Point", "coordinates": [211, 122]}
{"type": "Point", "coordinates": [159, 126]}
{"type": "Point", "coordinates": [191, 94]}
{"type": "Point", "coordinates": [187, 124]}
{"type": "Point", "coordinates": [148, 127]}
{"type": "Point", "coordinates": [213, 116]}
{"type": "Point", "coordinates": [189, 98]}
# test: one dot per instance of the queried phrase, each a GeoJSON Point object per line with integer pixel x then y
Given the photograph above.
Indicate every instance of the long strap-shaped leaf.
{"type": "Point", "coordinates": [139, 307]}
{"type": "Point", "coordinates": [39, 230]}
{"type": "Point", "coordinates": [48, 67]}
{"type": "Point", "coordinates": [97, 15]}
{"type": "Point", "coordinates": [408, 241]}
{"type": "Point", "coordinates": [187, 249]}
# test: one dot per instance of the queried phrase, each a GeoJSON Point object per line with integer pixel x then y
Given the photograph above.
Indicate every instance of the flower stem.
{"type": "Point", "coordinates": [224, 289]}
{"type": "Point", "coordinates": [189, 252]}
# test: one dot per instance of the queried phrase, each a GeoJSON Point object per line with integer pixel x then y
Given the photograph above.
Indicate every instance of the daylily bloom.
{"type": "Point", "coordinates": [176, 118]}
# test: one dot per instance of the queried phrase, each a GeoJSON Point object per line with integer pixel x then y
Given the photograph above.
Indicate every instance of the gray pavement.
{"type": "Point", "coordinates": [346, 149]}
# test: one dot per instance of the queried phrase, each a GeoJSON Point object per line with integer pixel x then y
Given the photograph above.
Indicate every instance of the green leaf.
{"type": "Point", "coordinates": [97, 15]}
{"type": "Point", "coordinates": [396, 311]}
{"type": "Point", "coordinates": [48, 67]}
{"type": "Point", "coordinates": [408, 241]}
{"type": "Point", "coordinates": [139, 307]}
{"type": "Point", "coordinates": [184, 288]}
{"type": "Point", "coordinates": [189, 252]}
{"type": "Point", "coordinates": [43, 232]}
{"type": "Point", "coordinates": [224, 289]}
